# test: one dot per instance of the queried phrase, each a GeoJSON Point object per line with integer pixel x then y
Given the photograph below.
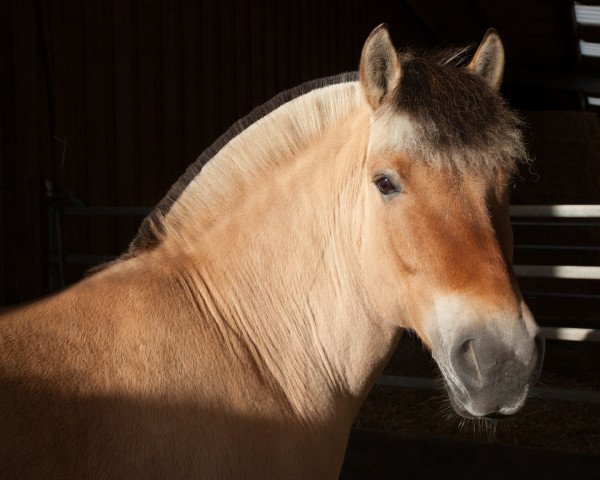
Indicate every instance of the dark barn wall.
{"type": "Point", "coordinates": [137, 90]}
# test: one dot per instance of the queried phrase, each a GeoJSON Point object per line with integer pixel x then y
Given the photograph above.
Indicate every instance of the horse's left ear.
{"type": "Point", "coordinates": [379, 70]}
{"type": "Point", "coordinates": [489, 59]}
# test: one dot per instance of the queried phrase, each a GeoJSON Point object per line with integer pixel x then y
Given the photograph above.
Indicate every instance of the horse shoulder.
{"type": "Point", "coordinates": [100, 381]}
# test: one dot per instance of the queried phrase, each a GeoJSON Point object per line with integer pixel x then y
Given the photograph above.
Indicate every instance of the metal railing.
{"type": "Point", "coordinates": [570, 272]}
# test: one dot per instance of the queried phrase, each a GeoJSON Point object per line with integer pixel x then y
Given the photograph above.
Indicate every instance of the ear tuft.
{"type": "Point", "coordinates": [489, 59]}
{"type": "Point", "coordinates": [379, 66]}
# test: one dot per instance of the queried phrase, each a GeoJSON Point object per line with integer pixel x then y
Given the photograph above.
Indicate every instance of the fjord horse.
{"type": "Point", "coordinates": [262, 298]}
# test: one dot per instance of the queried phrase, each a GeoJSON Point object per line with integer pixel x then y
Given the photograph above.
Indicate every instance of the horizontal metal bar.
{"type": "Point", "coordinates": [558, 271]}
{"type": "Point", "coordinates": [586, 396]}
{"type": "Point", "coordinates": [571, 334]}
{"type": "Point", "coordinates": [564, 81]}
{"type": "Point", "coordinates": [408, 382]}
{"type": "Point", "coordinates": [106, 211]}
{"type": "Point", "coordinates": [570, 296]}
{"type": "Point", "coordinates": [563, 395]}
{"type": "Point", "coordinates": [540, 223]}
{"type": "Point", "coordinates": [555, 211]}
{"type": "Point", "coordinates": [566, 248]}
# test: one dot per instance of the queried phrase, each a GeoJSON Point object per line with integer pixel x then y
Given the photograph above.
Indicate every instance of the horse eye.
{"type": "Point", "coordinates": [385, 186]}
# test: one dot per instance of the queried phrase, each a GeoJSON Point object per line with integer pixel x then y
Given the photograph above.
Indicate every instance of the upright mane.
{"type": "Point", "coordinates": [152, 227]}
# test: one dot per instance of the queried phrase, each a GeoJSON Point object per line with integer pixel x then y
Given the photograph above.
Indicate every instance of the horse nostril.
{"type": "Point", "coordinates": [490, 376]}
{"type": "Point", "coordinates": [466, 364]}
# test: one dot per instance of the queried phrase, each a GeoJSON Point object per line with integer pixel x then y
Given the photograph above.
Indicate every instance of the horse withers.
{"type": "Point", "coordinates": [261, 299]}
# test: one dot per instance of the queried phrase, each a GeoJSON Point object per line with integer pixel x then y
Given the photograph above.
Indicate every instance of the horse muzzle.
{"type": "Point", "coordinates": [485, 377]}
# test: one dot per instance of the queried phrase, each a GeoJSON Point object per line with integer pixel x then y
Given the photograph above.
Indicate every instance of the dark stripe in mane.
{"type": "Point", "coordinates": [147, 236]}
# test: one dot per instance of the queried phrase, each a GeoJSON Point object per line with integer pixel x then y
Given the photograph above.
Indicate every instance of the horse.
{"type": "Point", "coordinates": [261, 299]}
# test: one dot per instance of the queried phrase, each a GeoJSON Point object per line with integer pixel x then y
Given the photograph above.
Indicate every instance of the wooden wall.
{"type": "Point", "coordinates": [133, 90]}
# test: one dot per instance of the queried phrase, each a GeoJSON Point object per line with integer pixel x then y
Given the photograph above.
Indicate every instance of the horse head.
{"type": "Point", "coordinates": [436, 250]}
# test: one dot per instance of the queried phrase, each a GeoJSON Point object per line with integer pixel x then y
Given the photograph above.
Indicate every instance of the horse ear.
{"type": "Point", "coordinates": [379, 70]}
{"type": "Point", "coordinates": [489, 59]}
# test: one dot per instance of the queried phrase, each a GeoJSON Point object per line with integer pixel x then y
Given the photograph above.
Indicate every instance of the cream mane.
{"type": "Point", "coordinates": [269, 136]}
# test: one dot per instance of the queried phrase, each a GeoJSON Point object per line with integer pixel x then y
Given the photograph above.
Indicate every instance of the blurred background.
{"type": "Point", "coordinates": [104, 103]}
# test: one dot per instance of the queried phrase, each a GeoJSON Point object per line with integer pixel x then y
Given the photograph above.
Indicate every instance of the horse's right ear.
{"type": "Point", "coordinates": [379, 66]}
{"type": "Point", "coordinates": [488, 60]}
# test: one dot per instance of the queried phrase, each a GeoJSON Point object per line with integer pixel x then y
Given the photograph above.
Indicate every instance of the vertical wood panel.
{"type": "Point", "coordinates": [242, 59]}
{"type": "Point", "coordinates": [158, 125]}
{"type": "Point", "coordinates": [225, 64]}
{"type": "Point", "coordinates": [65, 126]}
{"type": "Point", "coordinates": [7, 135]}
{"type": "Point", "coordinates": [192, 82]}
{"type": "Point", "coordinates": [141, 88]}
{"type": "Point", "coordinates": [270, 51]}
{"type": "Point", "coordinates": [149, 102]}
{"type": "Point", "coordinates": [95, 121]}
{"type": "Point", "coordinates": [257, 63]}
{"type": "Point", "coordinates": [172, 91]}
{"type": "Point", "coordinates": [26, 268]}
{"type": "Point", "coordinates": [76, 231]}
{"type": "Point", "coordinates": [294, 54]}
{"type": "Point", "coordinates": [109, 107]}
{"type": "Point", "coordinates": [210, 74]}
{"type": "Point", "coordinates": [282, 45]}
{"type": "Point", "coordinates": [124, 117]}
{"type": "Point", "coordinates": [136, 95]}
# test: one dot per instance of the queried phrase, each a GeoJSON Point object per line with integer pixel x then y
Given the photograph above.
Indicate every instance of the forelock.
{"type": "Point", "coordinates": [447, 115]}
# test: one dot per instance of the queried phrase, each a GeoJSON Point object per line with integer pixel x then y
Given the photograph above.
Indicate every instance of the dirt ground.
{"type": "Point", "coordinates": [566, 426]}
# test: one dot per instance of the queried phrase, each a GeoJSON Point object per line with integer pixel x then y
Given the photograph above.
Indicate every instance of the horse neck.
{"type": "Point", "coordinates": [280, 270]}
